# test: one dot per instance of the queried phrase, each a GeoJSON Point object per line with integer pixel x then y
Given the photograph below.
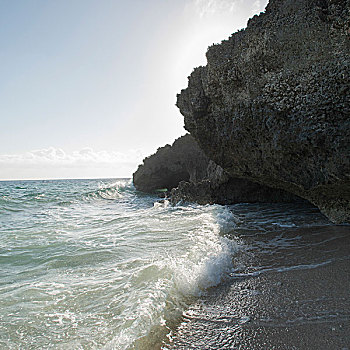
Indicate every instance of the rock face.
{"type": "Point", "coordinates": [184, 168]}
{"type": "Point", "coordinates": [219, 188]}
{"type": "Point", "coordinates": [183, 161]}
{"type": "Point", "coordinates": [273, 103]}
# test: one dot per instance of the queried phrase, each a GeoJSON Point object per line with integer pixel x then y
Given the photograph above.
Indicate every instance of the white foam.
{"type": "Point", "coordinates": [208, 261]}
{"type": "Point", "coordinates": [161, 204]}
{"type": "Point", "coordinates": [206, 269]}
{"type": "Point", "coordinates": [202, 259]}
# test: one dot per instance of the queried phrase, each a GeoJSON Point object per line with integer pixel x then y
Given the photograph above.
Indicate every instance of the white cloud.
{"type": "Point", "coordinates": [56, 163]}
{"type": "Point", "coordinates": [53, 155]}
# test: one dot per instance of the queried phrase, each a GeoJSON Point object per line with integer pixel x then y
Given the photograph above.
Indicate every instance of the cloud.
{"type": "Point", "coordinates": [56, 163]}
{"type": "Point", "coordinates": [52, 156]}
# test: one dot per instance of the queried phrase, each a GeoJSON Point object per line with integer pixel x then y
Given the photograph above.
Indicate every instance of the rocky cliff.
{"type": "Point", "coordinates": [182, 161]}
{"type": "Point", "coordinates": [184, 169]}
{"type": "Point", "coordinates": [272, 105]}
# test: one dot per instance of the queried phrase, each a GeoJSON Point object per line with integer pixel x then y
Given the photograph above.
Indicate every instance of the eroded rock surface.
{"type": "Point", "coordinates": [186, 170]}
{"type": "Point", "coordinates": [273, 103]}
{"type": "Point", "coordinates": [232, 191]}
{"type": "Point", "coordinates": [183, 161]}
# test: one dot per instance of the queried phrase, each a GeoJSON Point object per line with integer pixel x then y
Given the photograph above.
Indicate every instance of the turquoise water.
{"type": "Point", "coordinates": [93, 264]}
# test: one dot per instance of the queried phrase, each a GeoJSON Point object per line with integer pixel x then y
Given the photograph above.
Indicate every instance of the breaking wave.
{"type": "Point", "coordinates": [99, 259]}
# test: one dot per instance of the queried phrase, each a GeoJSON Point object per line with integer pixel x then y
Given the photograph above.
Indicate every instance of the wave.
{"type": "Point", "coordinates": [110, 191]}
{"type": "Point", "coordinates": [13, 210]}
{"type": "Point", "coordinates": [136, 265]}
{"type": "Point", "coordinates": [169, 283]}
{"type": "Point", "coordinates": [63, 192]}
{"type": "Point", "coordinates": [209, 261]}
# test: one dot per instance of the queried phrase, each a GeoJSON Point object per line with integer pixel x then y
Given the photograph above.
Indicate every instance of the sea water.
{"type": "Point", "coordinates": [95, 264]}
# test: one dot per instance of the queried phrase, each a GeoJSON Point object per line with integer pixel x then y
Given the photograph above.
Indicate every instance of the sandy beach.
{"type": "Point", "coordinates": [290, 295]}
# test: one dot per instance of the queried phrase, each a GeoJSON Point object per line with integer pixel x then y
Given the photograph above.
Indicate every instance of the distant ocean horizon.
{"type": "Point", "coordinates": [95, 264]}
{"type": "Point", "coordinates": [69, 178]}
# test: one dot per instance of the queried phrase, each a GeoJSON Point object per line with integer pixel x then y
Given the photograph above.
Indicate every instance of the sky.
{"type": "Point", "coordinates": [88, 87]}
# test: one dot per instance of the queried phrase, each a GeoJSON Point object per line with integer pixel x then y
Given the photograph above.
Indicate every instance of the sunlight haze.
{"type": "Point", "coordinates": [88, 88]}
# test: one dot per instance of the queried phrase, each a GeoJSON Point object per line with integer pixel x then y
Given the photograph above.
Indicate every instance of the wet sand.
{"type": "Point", "coordinates": [290, 290]}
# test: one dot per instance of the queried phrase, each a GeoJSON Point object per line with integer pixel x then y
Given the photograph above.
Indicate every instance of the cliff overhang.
{"type": "Point", "coordinates": [272, 105]}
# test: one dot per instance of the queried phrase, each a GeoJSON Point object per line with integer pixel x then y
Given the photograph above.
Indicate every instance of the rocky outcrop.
{"type": "Point", "coordinates": [183, 161]}
{"type": "Point", "coordinates": [184, 169]}
{"type": "Point", "coordinates": [234, 190]}
{"type": "Point", "coordinates": [273, 103]}
{"type": "Point", "coordinates": [219, 188]}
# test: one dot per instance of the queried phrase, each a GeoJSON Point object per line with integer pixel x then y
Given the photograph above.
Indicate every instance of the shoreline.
{"type": "Point", "coordinates": [305, 306]}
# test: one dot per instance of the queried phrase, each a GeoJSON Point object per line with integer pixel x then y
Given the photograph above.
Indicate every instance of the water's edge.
{"type": "Point", "coordinates": [94, 264]}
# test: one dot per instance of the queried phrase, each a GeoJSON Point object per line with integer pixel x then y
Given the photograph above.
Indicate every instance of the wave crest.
{"type": "Point", "coordinates": [110, 191]}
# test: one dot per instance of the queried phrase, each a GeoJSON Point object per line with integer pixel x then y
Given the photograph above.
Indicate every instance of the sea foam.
{"type": "Point", "coordinates": [112, 268]}
{"type": "Point", "coordinates": [198, 256]}
{"type": "Point", "coordinates": [209, 258]}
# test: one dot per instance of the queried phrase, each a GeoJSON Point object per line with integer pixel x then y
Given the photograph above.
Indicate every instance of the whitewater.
{"type": "Point", "coordinates": [95, 264]}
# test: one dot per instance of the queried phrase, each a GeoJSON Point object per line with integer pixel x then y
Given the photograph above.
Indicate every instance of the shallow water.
{"type": "Point", "coordinates": [93, 264]}
{"type": "Point", "coordinates": [289, 288]}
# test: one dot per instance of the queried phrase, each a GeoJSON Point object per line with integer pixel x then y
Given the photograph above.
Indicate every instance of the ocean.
{"type": "Point", "coordinates": [94, 264]}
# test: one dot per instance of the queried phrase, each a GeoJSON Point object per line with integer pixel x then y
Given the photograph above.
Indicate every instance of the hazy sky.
{"type": "Point", "coordinates": [88, 87]}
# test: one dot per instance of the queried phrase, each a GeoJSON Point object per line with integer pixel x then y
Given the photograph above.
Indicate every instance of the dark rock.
{"type": "Point", "coordinates": [185, 169]}
{"type": "Point", "coordinates": [183, 161]}
{"type": "Point", "coordinates": [273, 103]}
{"type": "Point", "coordinates": [234, 190]}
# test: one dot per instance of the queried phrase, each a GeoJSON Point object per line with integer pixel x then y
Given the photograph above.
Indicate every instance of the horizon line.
{"type": "Point", "coordinates": [58, 179]}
